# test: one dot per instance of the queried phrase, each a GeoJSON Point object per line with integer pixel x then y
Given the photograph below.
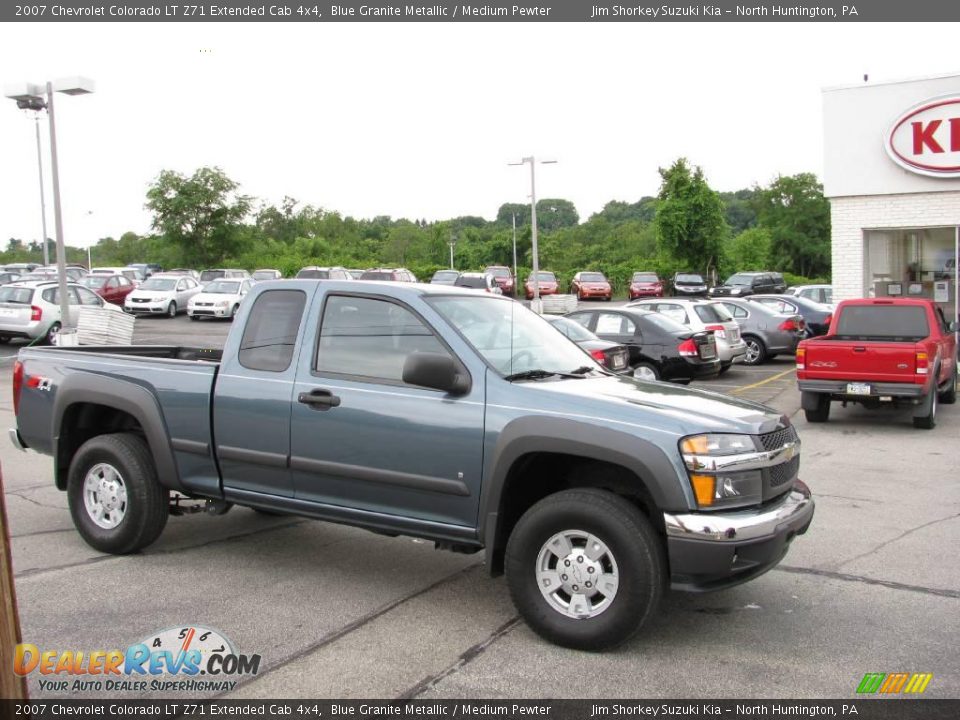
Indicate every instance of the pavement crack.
{"type": "Point", "coordinates": [897, 538]}
{"type": "Point", "coordinates": [355, 625]}
{"type": "Point", "coordinates": [847, 497]}
{"type": "Point", "coordinates": [41, 532]}
{"type": "Point", "coordinates": [466, 657]}
{"type": "Point", "coordinates": [35, 502]}
{"type": "Point", "coordinates": [939, 592]}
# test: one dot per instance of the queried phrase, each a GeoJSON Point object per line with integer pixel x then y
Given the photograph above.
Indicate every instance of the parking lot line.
{"type": "Point", "coordinates": [762, 382]}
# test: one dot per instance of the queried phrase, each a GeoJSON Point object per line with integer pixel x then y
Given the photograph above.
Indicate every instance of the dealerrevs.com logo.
{"type": "Point", "coordinates": [189, 658]}
{"type": "Point", "coordinates": [894, 683]}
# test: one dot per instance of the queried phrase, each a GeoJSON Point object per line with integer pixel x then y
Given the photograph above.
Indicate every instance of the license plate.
{"type": "Point", "coordinates": [8, 312]}
{"type": "Point", "coordinates": [858, 389]}
{"type": "Point", "coordinates": [619, 362]}
{"type": "Point", "coordinates": [707, 352]}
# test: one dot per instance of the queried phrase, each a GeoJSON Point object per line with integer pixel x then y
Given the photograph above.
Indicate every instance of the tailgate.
{"type": "Point", "coordinates": [867, 361]}
{"type": "Point", "coordinates": [14, 316]}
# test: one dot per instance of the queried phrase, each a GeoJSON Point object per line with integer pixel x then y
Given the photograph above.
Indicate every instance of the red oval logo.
{"type": "Point", "coordinates": [926, 139]}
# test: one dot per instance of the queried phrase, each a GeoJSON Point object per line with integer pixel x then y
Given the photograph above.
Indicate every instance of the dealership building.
{"type": "Point", "coordinates": [892, 175]}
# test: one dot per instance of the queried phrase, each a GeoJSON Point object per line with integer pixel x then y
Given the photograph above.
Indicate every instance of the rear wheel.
{"type": "Point", "coordinates": [52, 333]}
{"type": "Point", "coordinates": [585, 569]}
{"type": "Point", "coordinates": [756, 350]}
{"type": "Point", "coordinates": [949, 396]}
{"type": "Point", "coordinates": [115, 499]}
{"type": "Point", "coordinates": [645, 371]}
{"type": "Point", "coordinates": [816, 407]}
{"type": "Point", "coordinates": [928, 420]}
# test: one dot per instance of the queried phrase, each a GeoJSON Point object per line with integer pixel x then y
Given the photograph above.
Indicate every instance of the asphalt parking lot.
{"type": "Point", "coordinates": [338, 612]}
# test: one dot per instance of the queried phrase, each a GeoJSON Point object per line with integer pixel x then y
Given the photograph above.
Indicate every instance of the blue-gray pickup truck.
{"type": "Point", "coordinates": [433, 412]}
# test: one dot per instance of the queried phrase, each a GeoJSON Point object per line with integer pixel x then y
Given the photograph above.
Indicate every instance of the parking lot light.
{"type": "Point", "coordinates": [535, 257]}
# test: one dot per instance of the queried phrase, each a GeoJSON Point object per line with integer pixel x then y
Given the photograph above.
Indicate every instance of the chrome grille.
{"type": "Point", "coordinates": [784, 472]}
{"type": "Point", "coordinates": [778, 438]}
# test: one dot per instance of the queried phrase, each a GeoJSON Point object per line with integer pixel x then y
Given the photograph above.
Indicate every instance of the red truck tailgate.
{"type": "Point", "coordinates": [863, 361]}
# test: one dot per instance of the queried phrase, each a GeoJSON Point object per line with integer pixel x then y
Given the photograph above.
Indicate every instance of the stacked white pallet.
{"type": "Point", "coordinates": [103, 326]}
{"type": "Point", "coordinates": [559, 304]}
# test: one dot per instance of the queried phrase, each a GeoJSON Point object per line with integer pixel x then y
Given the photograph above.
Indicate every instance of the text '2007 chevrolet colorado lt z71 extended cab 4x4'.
{"type": "Point", "coordinates": [433, 412]}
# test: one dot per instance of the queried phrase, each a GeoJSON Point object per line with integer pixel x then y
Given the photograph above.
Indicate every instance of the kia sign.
{"type": "Point", "coordinates": [926, 139]}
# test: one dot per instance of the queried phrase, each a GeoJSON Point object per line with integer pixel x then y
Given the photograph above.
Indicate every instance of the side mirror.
{"type": "Point", "coordinates": [437, 371]}
{"type": "Point", "coordinates": [952, 326]}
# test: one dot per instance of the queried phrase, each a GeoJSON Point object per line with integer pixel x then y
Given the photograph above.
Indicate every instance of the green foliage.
{"type": "Point", "coordinates": [750, 250]}
{"type": "Point", "coordinates": [797, 215]}
{"type": "Point", "coordinates": [690, 217]}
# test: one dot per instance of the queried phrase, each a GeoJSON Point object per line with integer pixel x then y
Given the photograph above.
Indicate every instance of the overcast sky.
{"type": "Point", "coordinates": [420, 120]}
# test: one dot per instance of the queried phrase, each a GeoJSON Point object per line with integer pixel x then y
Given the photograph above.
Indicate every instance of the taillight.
{"type": "Point", "coordinates": [599, 356]}
{"type": "Point", "coordinates": [801, 358]}
{"type": "Point", "coordinates": [923, 363]}
{"type": "Point", "coordinates": [789, 325]}
{"type": "Point", "coordinates": [36, 314]}
{"type": "Point", "coordinates": [719, 330]}
{"type": "Point", "coordinates": [17, 384]}
{"type": "Point", "coordinates": [828, 321]}
{"type": "Point", "coordinates": [688, 348]}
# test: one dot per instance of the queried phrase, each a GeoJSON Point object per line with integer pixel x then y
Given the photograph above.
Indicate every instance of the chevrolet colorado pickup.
{"type": "Point", "coordinates": [434, 412]}
{"type": "Point", "coordinates": [899, 351]}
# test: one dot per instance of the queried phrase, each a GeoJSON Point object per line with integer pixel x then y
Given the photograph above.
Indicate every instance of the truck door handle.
{"type": "Point", "coordinates": [859, 349]}
{"type": "Point", "coordinates": [319, 399]}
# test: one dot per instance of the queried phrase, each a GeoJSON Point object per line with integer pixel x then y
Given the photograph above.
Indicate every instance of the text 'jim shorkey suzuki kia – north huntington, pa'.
{"type": "Point", "coordinates": [593, 492]}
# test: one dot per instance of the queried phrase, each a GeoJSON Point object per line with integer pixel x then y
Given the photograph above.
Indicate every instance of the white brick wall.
{"type": "Point", "coordinates": [850, 216]}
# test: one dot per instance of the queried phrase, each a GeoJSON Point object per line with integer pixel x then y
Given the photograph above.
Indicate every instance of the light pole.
{"type": "Point", "coordinates": [515, 279]}
{"type": "Point", "coordinates": [452, 242]}
{"type": "Point", "coordinates": [43, 199]}
{"type": "Point", "coordinates": [30, 95]}
{"type": "Point", "coordinates": [535, 305]}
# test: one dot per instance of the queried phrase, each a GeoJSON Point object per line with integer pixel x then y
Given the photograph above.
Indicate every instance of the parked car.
{"type": "Point", "coordinates": [184, 271]}
{"type": "Point", "coordinates": [74, 272]}
{"type": "Point", "coordinates": [749, 283]}
{"type": "Point", "coordinates": [660, 348]}
{"type": "Point", "coordinates": [389, 274]}
{"type": "Point", "coordinates": [817, 317]}
{"type": "Point", "coordinates": [9, 277]}
{"type": "Point", "coordinates": [766, 332]}
{"type": "Point", "coordinates": [896, 351]}
{"type": "Point", "coordinates": [113, 288]}
{"type": "Point", "coordinates": [687, 284]}
{"type": "Point", "coordinates": [147, 269]}
{"type": "Point", "coordinates": [355, 273]}
{"type": "Point", "coordinates": [219, 299]}
{"type": "Point", "coordinates": [162, 294]}
{"type": "Point", "coordinates": [611, 355]}
{"type": "Point", "coordinates": [266, 274]}
{"type": "Point", "coordinates": [431, 412]}
{"type": "Point", "coordinates": [547, 282]}
{"type": "Point", "coordinates": [703, 315]}
{"type": "Point", "coordinates": [645, 284]}
{"type": "Point", "coordinates": [479, 281]}
{"type": "Point", "coordinates": [504, 277]}
{"type": "Point", "coordinates": [444, 277]}
{"type": "Point", "coordinates": [315, 272]}
{"type": "Point", "coordinates": [31, 310]}
{"type": "Point", "coordinates": [589, 284]}
{"type": "Point", "coordinates": [132, 274]}
{"type": "Point", "coordinates": [822, 294]}
{"type": "Point", "coordinates": [21, 268]}
{"type": "Point", "coordinates": [223, 273]}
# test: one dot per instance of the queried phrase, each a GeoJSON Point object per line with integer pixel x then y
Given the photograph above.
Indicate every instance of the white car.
{"type": "Point", "coordinates": [220, 298]}
{"type": "Point", "coordinates": [703, 315]}
{"type": "Point", "coordinates": [31, 310]}
{"type": "Point", "coordinates": [162, 294]}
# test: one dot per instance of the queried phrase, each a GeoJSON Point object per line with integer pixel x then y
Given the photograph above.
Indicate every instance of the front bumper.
{"type": "Point", "coordinates": [908, 391]}
{"type": "Point", "coordinates": [712, 551]}
{"type": "Point", "coordinates": [151, 308]}
{"type": "Point", "coordinates": [589, 293]}
{"type": "Point", "coordinates": [209, 311]}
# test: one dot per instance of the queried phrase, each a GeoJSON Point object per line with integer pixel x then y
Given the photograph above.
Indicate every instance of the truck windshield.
{"type": "Point", "coordinates": [511, 338]}
{"type": "Point", "coordinates": [905, 323]}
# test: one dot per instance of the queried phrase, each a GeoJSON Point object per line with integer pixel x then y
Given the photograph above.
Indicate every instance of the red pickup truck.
{"type": "Point", "coordinates": [899, 351]}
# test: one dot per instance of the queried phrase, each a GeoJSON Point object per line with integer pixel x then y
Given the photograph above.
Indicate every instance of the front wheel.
{"type": "Point", "coordinates": [756, 350]}
{"type": "Point", "coordinates": [585, 569]}
{"type": "Point", "coordinates": [115, 499]}
{"type": "Point", "coordinates": [52, 333]}
{"type": "Point", "coordinates": [172, 310]}
{"type": "Point", "coordinates": [233, 312]}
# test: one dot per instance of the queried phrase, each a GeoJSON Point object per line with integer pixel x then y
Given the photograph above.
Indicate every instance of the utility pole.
{"type": "Point", "coordinates": [515, 278]}
{"type": "Point", "coordinates": [43, 200]}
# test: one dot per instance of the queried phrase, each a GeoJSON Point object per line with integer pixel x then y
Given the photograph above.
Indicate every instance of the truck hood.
{"type": "Point", "coordinates": [671, 408]}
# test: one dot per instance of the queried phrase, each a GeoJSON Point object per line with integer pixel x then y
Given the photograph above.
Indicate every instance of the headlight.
{"type": "Point", "coordinates": [159, 299]}
{"type": "Point", "coordinates": [736, 291]}
{"type": "Point", "coordinates": [727, 487]}
{"type": "Point", "coordinates": [222, 303]}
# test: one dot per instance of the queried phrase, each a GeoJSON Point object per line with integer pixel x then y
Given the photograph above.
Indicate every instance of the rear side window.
{"type": "Point", "coordinates": [270, 335]}
{"type": "Point", "coordinates": [883, 322]}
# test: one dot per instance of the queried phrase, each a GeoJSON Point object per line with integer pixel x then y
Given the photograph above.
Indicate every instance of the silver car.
{"type": "Point", "coordinates": [31, 310]}
{"type": "Point", "coordinates": [702, 315]}
{"type": "Point", "coordinates": [162, 294]}
{"type": "Point", "coordinates": [766, 332]}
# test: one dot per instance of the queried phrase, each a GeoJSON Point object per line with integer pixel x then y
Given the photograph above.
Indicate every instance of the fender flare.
{"type": "Point", "coordinates": [133, 399]}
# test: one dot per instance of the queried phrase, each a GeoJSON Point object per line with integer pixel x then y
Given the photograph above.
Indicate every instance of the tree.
{"type": "Point", "coordinates": [203, 214]}
{"type": "Point", "coordinates": [555, 213]}
{"type": "Point", "coordinates": [797, 215]}
{"type": "Point", "coordinates": [690, 220]}
{"type": "Point", "coordinates": [750, 250]}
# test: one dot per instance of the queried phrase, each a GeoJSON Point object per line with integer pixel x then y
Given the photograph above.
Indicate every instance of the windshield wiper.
{"type": "Point", "coordinates": [583, 370]}
{"type": "Point", "coordinates": [539, 375]}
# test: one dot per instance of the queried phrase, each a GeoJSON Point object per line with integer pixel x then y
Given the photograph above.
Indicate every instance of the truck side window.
{"type": "Point", "coordinates": [370, 338]}
{"type": "Point", "coordinates": [270, 335]}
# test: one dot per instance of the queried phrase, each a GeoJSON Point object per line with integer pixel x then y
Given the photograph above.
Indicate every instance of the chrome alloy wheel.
{"type": "Point", "coordinates": [644, 373]}
{"type": "Point", "coordinates": [577, 574]}
{"type": "Point", "coordinates": [753, 352]}
{"type": "Point", "coordinates": [105, 496]}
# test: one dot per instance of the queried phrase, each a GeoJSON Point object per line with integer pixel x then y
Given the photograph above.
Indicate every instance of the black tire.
{"type": "Point", "coordinates": [147, 502]}
{"type": "Point", "coordinates": [949, 396]}
{"type": "Point", "coordinates": [172, 310]}
{"type": "Point", "coordinates": [820, 413]}
{"type": "Point", "coordinates": [927, 421]}
{"type": "Point", "coordinates": [233, 312]}
{"type": "Point", "coordinates": [194, 317]}
{"type": "Point", "coordinates": [52, 332]}
{"type": "Point", "coordinates": [4, 339]}
{"type": "Point", "coordinates": [631, 540]}
{"type": "Point", "coordinates": [724, 368]}
{"type": "Point", "coordinates": [756, 350]}
{"type": "Point", "coordinates": [648, 367]}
